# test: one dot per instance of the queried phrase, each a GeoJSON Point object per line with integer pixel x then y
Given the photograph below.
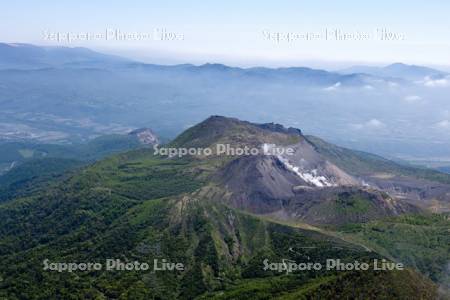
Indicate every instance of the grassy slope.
{"type": "Point", "coordinates": [138, 207]}
{"type": "Point", "coordinates": [94, 149]}
{"type": "Point", "coordinates": [362, 163]}
{"type": "Point", "coordinates": [34, 175]}
{"type": "Point", "coordinates": [419, 241]}
{"type": "Point", "coordinates": [347, 285]}
{"type": "Point", "coordinates": [39, 164]}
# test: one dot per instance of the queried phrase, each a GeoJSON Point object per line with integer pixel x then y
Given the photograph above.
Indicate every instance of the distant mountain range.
{"type": "Point", "coordinates": [71, 95]}
{"type": "Point", "coordinates": [397, 70]}
{"type": "Point", "coordinates": [27, 56]}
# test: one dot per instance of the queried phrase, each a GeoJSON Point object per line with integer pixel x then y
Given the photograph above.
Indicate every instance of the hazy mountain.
{"type": "Point", "coordinates": [95, 95]}
{"type": "Point", "coordinates": [397, 70]}
{"type": "Point", "coordinates": [27, 56]}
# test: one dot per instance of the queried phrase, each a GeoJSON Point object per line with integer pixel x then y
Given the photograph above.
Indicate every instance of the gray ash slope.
{"type": "Point", "coordinates": [309, 185]}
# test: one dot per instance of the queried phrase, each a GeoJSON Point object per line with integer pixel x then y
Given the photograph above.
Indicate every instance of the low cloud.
{"type": "Point", "coordinates": [372, 124]}
{"type": "Point", "coordinates": [433, 82]}
{"type": "Point", "coordinates": [445, 124]}
{"type": "Point", "coordinates": [412, 99]}
{"type": "Point", "coordinates": [392, 84]}
{"type": "Point", "coordinates": [333, 87]}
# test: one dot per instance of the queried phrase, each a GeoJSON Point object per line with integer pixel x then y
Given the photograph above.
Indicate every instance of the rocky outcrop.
{"type": "Point", "coordinates": [146, 136]}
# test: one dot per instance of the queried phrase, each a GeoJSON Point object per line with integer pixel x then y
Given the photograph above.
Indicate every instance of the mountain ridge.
{"type": "Point", "coordinates": [139, 206]}
{"type": "Point", "coordinates": [397, 70]}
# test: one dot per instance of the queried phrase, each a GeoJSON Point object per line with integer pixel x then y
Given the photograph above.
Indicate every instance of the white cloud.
{"type": "Point", "coordinates": [372, 124]}
{"type": "Point", "coordinates": [368, 87]}
{"type": "Point", "coordinates": [430, 82]}
{"type": "Point", "coordinates": [392, 84]}
{"type": "Point", "coordinates": [446, 114]}
{"type": "Point", "coordinates": [375, 123]}
{"type": "Point", "coordinates": [412, 98]}
{"type": "Point", "coordinates": [445, 124]}
{"type": "Point", "coordinates": [333, 87]}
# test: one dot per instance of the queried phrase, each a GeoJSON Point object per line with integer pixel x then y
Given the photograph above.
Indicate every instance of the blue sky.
{"type": "Point", "coordinates": [235, 32]}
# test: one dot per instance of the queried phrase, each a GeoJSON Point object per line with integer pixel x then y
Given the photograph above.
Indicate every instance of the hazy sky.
{"type": "Point", "coordinates": [240, 32]}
